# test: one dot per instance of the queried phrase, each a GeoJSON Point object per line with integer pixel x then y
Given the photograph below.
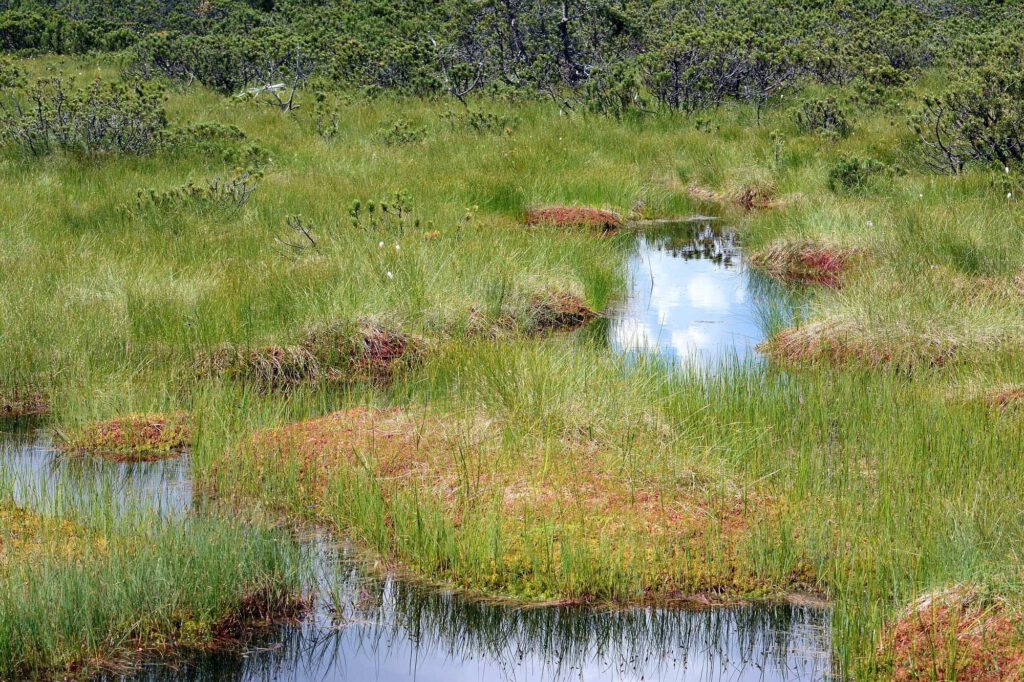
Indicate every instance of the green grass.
{"type": "Point", "coordinates": [100, 584]}
{"type": "Point", "coordinates": [881, 484]}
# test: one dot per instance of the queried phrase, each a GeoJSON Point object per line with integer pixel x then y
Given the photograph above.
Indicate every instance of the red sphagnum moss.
{"type": "Point", "coordinates": [574, 216]}
{"type": "Point", "coordinates": [956, 634]}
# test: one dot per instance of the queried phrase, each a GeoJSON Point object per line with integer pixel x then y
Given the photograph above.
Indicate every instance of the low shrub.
{"type": "Point", "coordinates": [402, 132]}
{"type": "Point", "coordinates": [850, 173]}
{"type": "Point", "coordinates": [98, 119]}
{"type": "Point", "coordinates": [232, 191]}
{"type": "Point", "coordinates": [823, 116]}
{"type": "Point", "coordinates": [980, 119]}
{"type": "Point", "coordinates": [391, 215]}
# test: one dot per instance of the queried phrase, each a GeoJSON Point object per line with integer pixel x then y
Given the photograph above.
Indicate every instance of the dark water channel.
{"type": "Point", "coordinates": [691, 299]}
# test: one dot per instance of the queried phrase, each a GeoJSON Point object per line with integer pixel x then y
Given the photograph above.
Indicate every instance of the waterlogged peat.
{"type": "Point", "coordinates": [693, 300]}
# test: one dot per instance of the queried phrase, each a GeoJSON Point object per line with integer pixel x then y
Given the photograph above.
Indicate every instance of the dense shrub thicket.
{"type": "Point", "coordinates": [611, 57]}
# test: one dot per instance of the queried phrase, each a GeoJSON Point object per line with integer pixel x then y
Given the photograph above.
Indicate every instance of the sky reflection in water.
{"type": "Point", "coordinates": [693, 300]}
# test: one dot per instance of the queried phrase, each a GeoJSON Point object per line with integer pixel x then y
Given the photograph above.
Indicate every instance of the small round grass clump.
{"type": "Point", "coordinates": [342, 352]}
{"type": "Point", "coordinates": [574, 216]}
{"type": "Point", "coordinates": [134, 438]}
{"type": "Point", "coordinates": [806, 263]}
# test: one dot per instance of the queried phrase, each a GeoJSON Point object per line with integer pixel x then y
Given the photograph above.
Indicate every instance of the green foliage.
{"type": "Point", "coordinates": [480, 120]}
{"type": "Point", "coordinates": [10, 75]}
{"type": "Point", "coordinates": [979, 119]}
{"type": "Point", "coordinates": [402, 132]}
{"type": "Point", "coordinates": [53, 32]}
{"type": "Point", "coordinates": [615, 91]}
{"type": "Point", "coordinates": [879, 83]}
{"type": "Point", "coordinates": [851, 173]}
{"type": "Point", "coordinates": [822, 116]}
{"type": "Point", "coordinates": [101, 118]}
{"type": "Point", "coordinates": [215, 140]}
{"type": "Point", "coordinates": [392, 216]}
{"type": "Point", "coordinates": [232, 191]}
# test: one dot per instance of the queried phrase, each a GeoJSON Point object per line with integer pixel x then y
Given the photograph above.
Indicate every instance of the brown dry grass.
{"type": "Point", "coordinates": [751, 196]}
{"type": "Point", "coordinates": [955, 634]}
{"type": "Point", "coordinates": [1005, 397]}
{"type": "Point", "coordinates": [19, 404]}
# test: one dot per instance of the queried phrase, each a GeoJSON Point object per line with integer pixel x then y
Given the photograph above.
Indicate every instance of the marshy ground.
{"type": "Point", "coordinates": [434, 373]}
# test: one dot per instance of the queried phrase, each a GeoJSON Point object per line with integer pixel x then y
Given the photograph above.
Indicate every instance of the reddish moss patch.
{"type": "Point", "coordinates": [558, 311]}
{"type": "Point", "coordinates": [20, 404]}
{"type": "Point", "coordinates": [574, 216]}
{"type": "Point", "coordinates": [956, 635]}
{"type": "Point", "coordinates": [339, 353]}
{"type": "Point", "coordinates": [839, 342]}
{"type": "Point", "coordinates": [136, 438]}
{"type": "Point", "coordinates": [806, 263]}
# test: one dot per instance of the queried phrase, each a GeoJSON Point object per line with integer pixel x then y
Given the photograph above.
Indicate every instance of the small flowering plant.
{"type": "Point", "coordinates": [1008, 182]}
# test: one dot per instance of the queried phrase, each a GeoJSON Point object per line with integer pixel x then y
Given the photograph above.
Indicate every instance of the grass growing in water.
{"type": "Point", "coordinates": [90, 588]}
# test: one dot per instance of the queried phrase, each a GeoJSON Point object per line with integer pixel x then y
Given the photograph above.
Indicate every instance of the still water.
{"type": "Point", "coordinates": [693, 301]}
{"type": "Point", "coordinates": [364, 627]}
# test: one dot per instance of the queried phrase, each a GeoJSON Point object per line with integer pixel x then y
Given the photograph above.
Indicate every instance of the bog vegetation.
{"type": "Point", "coordinates": [352, 255]}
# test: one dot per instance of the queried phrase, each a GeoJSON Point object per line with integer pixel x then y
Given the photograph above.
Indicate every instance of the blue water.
{"type": "Point", "coordinates": [692, 299]}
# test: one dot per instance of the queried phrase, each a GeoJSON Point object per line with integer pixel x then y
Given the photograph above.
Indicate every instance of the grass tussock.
{"type": "Point", "coordinates": [806, 262]}
{"type": "Point", "coordinates": [544, 312]}
{"type": "Point", "coordinates": [334, 354]}
{"type": "Point", "coordinates": [956, 634]}
{"type": "Point", "coordinates": [574, 216]}
{"type": "Point", "coordinates": [134, 438]}
{"type": "Point", "coordinates": [839, 343]}
{"type": "Point", "coordinates": [755, 195]}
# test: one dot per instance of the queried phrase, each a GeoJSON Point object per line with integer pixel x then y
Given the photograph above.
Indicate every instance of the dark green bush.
{"type": "Point", "coordinates": [852, 173]}
{"type": "Point", "coordinates": [980, 119]}
{"type": "Point", "coordinates": [100, 118]}
{"type": "Point", "coordinates": [823, 116]}
{"type": "Point", "coordinates": [402, 132]}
